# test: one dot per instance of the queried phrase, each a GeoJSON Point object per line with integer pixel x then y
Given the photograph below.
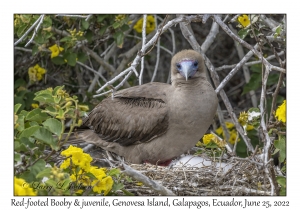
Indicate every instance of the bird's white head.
{"type": "Point", "coordinates": [187, 64]}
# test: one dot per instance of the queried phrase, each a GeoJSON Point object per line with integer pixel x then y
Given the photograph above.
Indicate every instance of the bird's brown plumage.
{"type": "Point", "coordinates": [155, 122]}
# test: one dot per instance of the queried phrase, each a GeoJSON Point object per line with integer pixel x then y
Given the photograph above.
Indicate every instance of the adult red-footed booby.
{"type": "Point", "coordinates": [156, 122]}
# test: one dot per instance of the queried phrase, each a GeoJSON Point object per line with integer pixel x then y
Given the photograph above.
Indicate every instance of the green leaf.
{"type": "Point", "coordinates": [243, 33]}
{"type": "Point", "coordinates": [102, 30]}
{"type": "Point", "coordinates": [44, 173]}
{"type": "Point", "coordinates": [54, 126]}
{"type": "Point", "coordinates": [19, 100]}
{"type": "Point", "coordinates": [20, 144]}
{"type": "Point", "coordinates": [21, 30]}
{"type": "Point", "coordinates": [33, 123]}
{"type": "Point", "coordinates": [44, 98]}
{"type": "Point", "coordinates": [35, 50]}
{"type": "Point", "coordinates": [47, 22]}
{"type": "Point", "coordinates": [42, 92]}
{"type": "Point", "coordinates": [17, 107]}
{"type": "Point", "coordinates": [66, 39]}
{"type": "Point", "coordinates": [29, 99]}
{"type": "Point", "coordinates": [281, 145]}
{"type": "Point", "coordinates": [58, 60]}
{"type": "Point", "coordinates": [45, 136]}
{"type": "Point", "coordinates": [82, 57]}
{"type": "Point", "coordinates": [119, 38]}
{"type": "Point", "coordinates": [57, 88]}
{"type": "Point", "coordinates": [21, 93]}
{"type": "Point", "coordinates": [127, 192]}
{"type": "Point", "coordinates": [17, 157]}
{"type": "Point", "coordinates": [90, 175]}
{"type": "Point", "coordinates": [278, 29]}
{"type": "Point", "coordinates": [100, 18]}
{"type": "Point", "coordinates": [40, 38]}
{"type": "Point", "coordinates": [253, 84]}
{"type": "Point", "coordinates": [282, 181]}
{"type": "Point", "coordinates": [273, 78]}
{"type": "Point", "coordinates": [20, 121]}
{"type": "Point", "coordinates": [125, 27]}
{"type": "Point", "coordinates": [89, 36]}
{"type": "Point", "coordinates": [71, 59]}
{"type": "Point", "coordinates": [113, 172]}
{"type": "Point", "coordinates": [36, 115]}
{"type": "Point", "coordinates": [117, 186]}
{"type": "Point", "coordinates": [28, 131]}
{"type": "Point", "coordinates": [116, 25]}
{"type": "Point", "coordinates": [85, 25]}
{"type": "Point", "coordinates": [37, 167]}
{"type": "Point", "coordinates": [19, 82]}
{"type": "Point", "coordinates": [60, 114]}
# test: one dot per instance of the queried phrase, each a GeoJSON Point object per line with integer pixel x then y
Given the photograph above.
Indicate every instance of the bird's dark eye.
{"type": "Point", "coordinates": [195, 64]}
{"type": "Point", "coordinates": [178, 66]}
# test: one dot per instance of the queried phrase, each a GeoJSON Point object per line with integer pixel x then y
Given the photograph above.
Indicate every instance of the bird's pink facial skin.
{"type": "Point", "coordinates": [187, 68]}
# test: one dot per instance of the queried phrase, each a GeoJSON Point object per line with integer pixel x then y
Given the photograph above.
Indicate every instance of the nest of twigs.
{"type": "Point", "coordinates": [245, 176]}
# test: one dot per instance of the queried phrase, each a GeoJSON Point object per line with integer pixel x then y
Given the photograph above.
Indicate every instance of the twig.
{"type": "Point", "coordinates": [88, 17]}
{"type": "Point", "coordinates": [75, 16]}
{"type": "Point", "coordinates": [146, 181]}
{"type": "Point", "coordinates": [249, 63]}
{"type": "Point", "coordinates": [157, 60]}
{"type": "Point", "coordinates": [234, 19]}
{"type": "Point", "coordinates": [245, 190]}
{"type": "Point", "coordinates": [245, 44]}
{"type": "Point", "coordinates": [92, 70]}
{"type": "Point", "coordinates": [269, 22]}
{"type": "Point", "coordinates": [193, 42]}
{"type": "Point", "coordinates": [106, 57]}
{"type": "Point", "coordinates": [100, 60]}
{"type": "Point", "coordinates": [160, 31]}
{"type": "Point", "coordinates": [35, 30]}
{"type": "Point", "coordinates": [143, 44]}
{"type": "Point", "coordinates": [149, 44]}
{"type": "Point", "coordinates": [210, 37]}
{"type": "Point", "coordinates": [117, 87]}
{"type": "Point", "coordinates": [27, 32]}
{"type": "Point", "coordinates": [241, 55]}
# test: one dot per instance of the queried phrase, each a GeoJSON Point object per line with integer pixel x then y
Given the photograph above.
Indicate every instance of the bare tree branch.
{"type": "Point", "coordinates": [146, 180]}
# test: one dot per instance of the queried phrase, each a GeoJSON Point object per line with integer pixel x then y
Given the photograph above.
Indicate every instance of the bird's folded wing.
{"type": "Point", "coordinates": [135, 115]}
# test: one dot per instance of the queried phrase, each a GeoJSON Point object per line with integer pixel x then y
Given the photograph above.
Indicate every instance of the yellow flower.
{"type": "Point", "coordinates": [32, 74]}
{"type": "Point", "coordinates": [243, 119]}
{"type": "Point", "coordinates": [55, 50]}
{"type": "Point", "coordinates": [232, 138]}
{"type": "Point", "coordinates": [281, 112]}
{"type": "Point", "coordinates": [41, 70]}
{"type": "Point", "coordinates": [34, 106]}
{"type": "Point", "coordinates": [39, 76]}
{"type": "Point", "coordinates": [99, 173]}
{"type": "Point", "coordinates": [104, 184]}
{"type": "Point", "coordinates": [22, 188]}
{"type": "Point", "coordinates": [210, 137]}
{"type": "Point", "coordinates": [65, 164]}
{"type": "Point", "coordinates": [207, 138]}
{"type": "Point", "coordinates": [150, 26]}
{"type": "Point", "coordinates": [232, 132]}
{"type": "Point", "coordinates": [229, 125]}
{"type": "Point", "coordinates": [79, 158]}
{"type": "Point", "coordinates": [244, 20]}
{"type": "Point", "coordinates": [119, 18]}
